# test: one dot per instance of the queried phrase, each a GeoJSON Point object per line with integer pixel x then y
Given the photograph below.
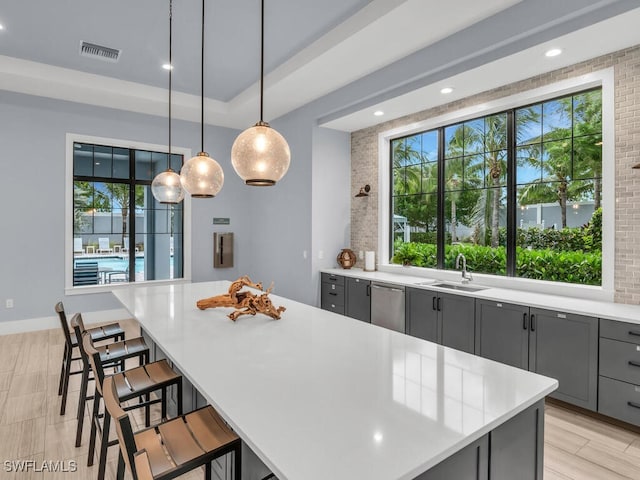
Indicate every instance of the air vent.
{"type": "Point", "coordinates": [98, 51]}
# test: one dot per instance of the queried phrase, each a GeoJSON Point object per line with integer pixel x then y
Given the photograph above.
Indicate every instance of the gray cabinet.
{"type": "Point", "coordinates": [555, 344]}
{"type": "Point", "coordinates": [517, 446]}
{"type": "Point", "coordinates": [358, 299]}
{"type": "Point", "coordinates": [457, 321]}
{"type": "Point", "coordinates": [502, 332]}
{"type": "Point", "coordinates": [619, 392]}
{"type": "Point", "coordinates": [564, 346]}
{"type": "Point", "coordinates": [470, 463]}
{"type": "Point", "coordinates": [441, 317]}
{"type": "Point", "coordinates": [332, 296]}
{"type": "Point", "coordinates": [421, 315]}
{"type": "Point", "coordinates": [512, 450]}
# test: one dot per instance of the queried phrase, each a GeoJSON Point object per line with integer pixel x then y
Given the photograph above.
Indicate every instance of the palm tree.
{"type": "Point", "coordinates": [564, 164]}
{"type": "Point", "coordinates": [116, 196]}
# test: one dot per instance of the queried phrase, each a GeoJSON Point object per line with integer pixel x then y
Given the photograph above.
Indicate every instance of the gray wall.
{"type": "Point", "coordinates": [32, 157]}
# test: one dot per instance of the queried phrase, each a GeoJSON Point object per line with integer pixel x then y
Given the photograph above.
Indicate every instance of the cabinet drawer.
{"type": "Point", "coordinates": [332, 293]}
{"type": "Point", "coordinates": [332, 306]}
{"type": "Point", "coordinates": [627, 332]}
{"type": "Point", "coordinates": [620, 360]}
{"type": "Point", "coordinates": [619, 400]}
{"type": "Point", "coordinates": [330, 278]}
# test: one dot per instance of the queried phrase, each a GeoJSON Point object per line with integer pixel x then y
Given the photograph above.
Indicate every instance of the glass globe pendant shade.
{"type": "Point", "coordinates": [167, 188]}
{"type": "Point", "coordinates": [260, 155]}
{"type": "Point", "coordinates": [202, 176]}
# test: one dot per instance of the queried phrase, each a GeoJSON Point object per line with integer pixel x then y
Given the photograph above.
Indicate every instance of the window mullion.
{"type": "Point", "coordinates": [440, 237]}
{"type": "Point", "coordinates": [132, 215]}
{"type": "Point", "coordinates": [511, 195]}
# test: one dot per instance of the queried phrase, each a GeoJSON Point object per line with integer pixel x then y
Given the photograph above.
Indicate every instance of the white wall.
{"type": "Point", "coordinates": [331, 227]}
{"type": "Point", "coordinates": [32, 158]}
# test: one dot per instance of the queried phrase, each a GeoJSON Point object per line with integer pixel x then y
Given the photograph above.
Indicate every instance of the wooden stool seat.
{"type": "Point", "coordinates": [117, 351]}
{"type": "Point", "coordinates": [112, 331]}
{"type": "Point", "coordinates": [173, 447]}
{"type": "Point", "coordinates": [184, 440]}
{"type": "Point", "coordinates": [109, 331]}
{"type": "Point", "coordinates": [139, 380]}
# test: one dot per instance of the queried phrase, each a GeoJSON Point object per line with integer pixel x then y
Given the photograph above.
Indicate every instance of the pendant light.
{"type": "Point", "coordinates": [166, 186]}
{"type": "Point", "coordinates": [201, 175]}
{"type": "Point", "coordinates": [260, 155]}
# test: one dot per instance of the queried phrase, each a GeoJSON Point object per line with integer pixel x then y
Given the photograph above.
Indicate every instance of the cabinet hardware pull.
{"type": "Point", "coordinates": [633, 404]}
{"type": "Point", "coordinates": [634, 364]}
{"type": "Point", "coordinates": [635, 333]}
{"type": "Point", "coordinates": [333, 278]}
{"type": "Point", "coordinates": [368, 290]}
{"type": "Point", "coordinates": [433, 303]}
{"type": "Point", "coordinates": [524, 321]}
{"type": "Point", "coordinates": [533, 323]}
{"type": "Point", "coordinates": [438, 303]}
{"type": "Point", "coordinates": [333, 293]}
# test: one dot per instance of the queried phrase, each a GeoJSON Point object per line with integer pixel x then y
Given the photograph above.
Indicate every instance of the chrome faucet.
{"type": "Point", "coordinates": [466, 276]}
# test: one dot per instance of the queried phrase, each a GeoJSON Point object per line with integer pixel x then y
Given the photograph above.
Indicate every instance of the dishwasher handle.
{"type": "Point", "coordinates": [388, 288]}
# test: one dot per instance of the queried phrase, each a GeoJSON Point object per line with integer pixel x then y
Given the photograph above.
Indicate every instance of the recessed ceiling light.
{"type": "Point", "coordinates": [554, 52]}
{"type": "Point", "coordinates": [446, 90]}
{"type": "Point", "coordinates": [1, 27]}
{"type": "Point", "coordinates": [378, 113]}
{"type": "Point", "coordinates": [167, 66]}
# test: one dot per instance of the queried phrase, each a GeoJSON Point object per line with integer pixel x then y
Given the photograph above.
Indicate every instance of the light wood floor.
{"type": "Point", "coordinates": [577, 447]}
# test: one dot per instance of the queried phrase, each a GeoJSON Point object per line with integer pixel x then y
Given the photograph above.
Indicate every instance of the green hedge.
{"type": "Point", "coordinates": [544, 264]}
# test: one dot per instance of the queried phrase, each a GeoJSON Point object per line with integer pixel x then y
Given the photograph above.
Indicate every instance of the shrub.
{"type": "Point", "coordinates": [543, 264]}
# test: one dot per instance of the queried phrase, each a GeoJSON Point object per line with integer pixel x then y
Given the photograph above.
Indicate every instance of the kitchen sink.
{"type": "Point", "coordinates": [457, 286]}
{"type": "Point", "coordinates": [428, 282]}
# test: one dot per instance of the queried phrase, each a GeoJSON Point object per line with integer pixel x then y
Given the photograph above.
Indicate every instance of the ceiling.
{"type": "Point", "coordinates": [346, 57]}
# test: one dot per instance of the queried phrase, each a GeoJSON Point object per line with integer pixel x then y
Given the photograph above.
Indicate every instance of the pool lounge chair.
{"type": "Point", "coordinates": [125, 247]}
{"type": "Point", "coordinates": [103, 245]}
{"type": "Point", "coordinates": [77, 246]}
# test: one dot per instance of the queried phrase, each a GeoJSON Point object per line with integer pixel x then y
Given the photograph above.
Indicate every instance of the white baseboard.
{"type": "Point", "coordinates": [46, 323]}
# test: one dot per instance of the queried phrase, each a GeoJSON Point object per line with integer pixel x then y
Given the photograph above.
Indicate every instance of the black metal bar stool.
{"type": "Point", "coordinates": [111, 355]}
{"type": "Point", "coordinates": [112, 331]}
{"type": "Point", "coordinates": [171, 448]}
{"type": "Point", "coordinates": [132, 383]}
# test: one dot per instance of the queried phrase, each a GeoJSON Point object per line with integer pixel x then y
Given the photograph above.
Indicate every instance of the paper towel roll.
{"type": "Point", "coordinates": [370, 261]}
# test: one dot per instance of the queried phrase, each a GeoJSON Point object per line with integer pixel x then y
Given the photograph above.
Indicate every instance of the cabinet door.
{"type": "Point", "coordinates": [517, 446]}
{"type": "Point", "coordinates": [502, 332]}
{"type": "Point", "coordinates": [470, 463]}
{"type": "Point", "coordinates": [565, 347]}
{"type": "Point", "coordinates": [358, 299]}
{"type": "Point", "coordinates": [457, 319]}
{"type": "Point", "coordinates": [421, 314]}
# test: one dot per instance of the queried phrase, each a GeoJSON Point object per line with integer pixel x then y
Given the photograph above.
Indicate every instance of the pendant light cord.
{"type": "Point", "coordinates": [170, 71]}
{"type": "Point", "coordinates": [262, 63]}
{"type": "Point", "coordinates": [202, 85]}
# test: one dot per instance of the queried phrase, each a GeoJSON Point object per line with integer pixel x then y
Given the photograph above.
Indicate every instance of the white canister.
{"type": "Point", "coordinates": [370, 261]}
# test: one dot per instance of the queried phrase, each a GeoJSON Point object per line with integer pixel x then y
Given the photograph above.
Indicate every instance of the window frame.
{"type": "Point", "coordinates": [603, 79]}
{"type": "Point", "coordinates": [72, 138]}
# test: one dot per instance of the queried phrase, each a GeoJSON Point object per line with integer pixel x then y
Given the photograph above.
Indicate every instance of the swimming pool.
{"type": "Point", "coordinates": [113, 263]}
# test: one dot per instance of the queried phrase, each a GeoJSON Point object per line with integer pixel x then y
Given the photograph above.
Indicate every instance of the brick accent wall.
{"type": "Point", "coordinates": [626, 63]}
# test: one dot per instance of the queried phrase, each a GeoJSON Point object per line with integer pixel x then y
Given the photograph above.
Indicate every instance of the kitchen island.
{"type": "Point", "coordinates": [317, 395]}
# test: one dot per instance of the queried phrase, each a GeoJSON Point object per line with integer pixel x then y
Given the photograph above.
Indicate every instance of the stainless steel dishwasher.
{"type": "Point", "coordinates": [387, 306]}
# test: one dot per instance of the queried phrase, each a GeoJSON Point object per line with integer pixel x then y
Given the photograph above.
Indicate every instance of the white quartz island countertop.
{"type": "Point", "coordinates": [317, 395]}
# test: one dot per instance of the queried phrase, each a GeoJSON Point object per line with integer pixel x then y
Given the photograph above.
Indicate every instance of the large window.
{"type": "Point", "coordinates": [517, 192]}
{"type": "Point", "coordinates": [120, 232]}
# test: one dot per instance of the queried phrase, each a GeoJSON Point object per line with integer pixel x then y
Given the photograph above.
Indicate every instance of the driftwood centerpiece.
{"type": "Point", "coordinates": [245, 302]}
